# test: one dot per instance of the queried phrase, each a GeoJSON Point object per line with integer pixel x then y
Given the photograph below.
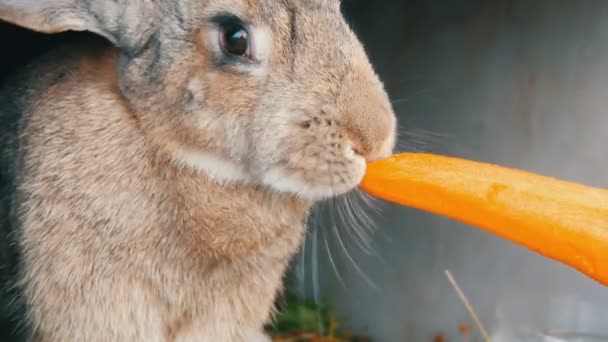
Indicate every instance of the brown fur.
{"type": "Point", "coordinates": [124, 231]}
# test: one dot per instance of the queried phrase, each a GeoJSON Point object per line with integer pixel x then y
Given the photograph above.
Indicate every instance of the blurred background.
{"type": "Point", "coordinates": [522, 83]}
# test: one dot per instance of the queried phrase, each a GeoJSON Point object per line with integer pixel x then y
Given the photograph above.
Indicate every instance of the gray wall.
{"type": "Point", "coordinates": [522, 83]}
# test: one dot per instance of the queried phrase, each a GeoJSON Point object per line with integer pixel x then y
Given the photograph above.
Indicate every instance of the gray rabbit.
{"type": "Point", "coordinates": [156, 181]}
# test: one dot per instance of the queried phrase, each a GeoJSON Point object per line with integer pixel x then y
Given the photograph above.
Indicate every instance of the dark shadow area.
{"type": "Point", "coordinates": [27, 45]}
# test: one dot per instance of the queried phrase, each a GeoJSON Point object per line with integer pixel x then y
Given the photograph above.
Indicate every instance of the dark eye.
{"type": "Point", "coordinates": [234, 40]}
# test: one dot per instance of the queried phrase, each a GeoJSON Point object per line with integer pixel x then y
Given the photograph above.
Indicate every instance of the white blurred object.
{"type": "Point", "coordinates": [565, 318]}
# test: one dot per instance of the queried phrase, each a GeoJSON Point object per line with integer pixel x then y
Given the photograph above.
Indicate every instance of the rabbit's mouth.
{"type": "Point", "coordinates": [317, 181]}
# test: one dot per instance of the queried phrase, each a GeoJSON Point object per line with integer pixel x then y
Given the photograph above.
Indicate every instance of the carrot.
{"type": "Point", "coordinates": [564, 221]}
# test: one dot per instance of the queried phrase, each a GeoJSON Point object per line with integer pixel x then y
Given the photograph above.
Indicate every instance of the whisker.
{"type": "Point", "coordinates": [415, 141]}
{"type": "Point", "coordinates": [301, 272]}
{"type": "Point", "coordinates": [362, 236]}
{"type": "Point", "coordinates": [369, 201]}
{"type": "Point", "coordinates": [316, 282]}
{"type": "Point", "coordinates": [421, 140]}
{"type": "Point", "coordinates": [318, 226]}
{"type": "Point", "coordinates": [331, 260]}
{"type": "Point", "coordinates": [401, 100]}
{"type": "Point", "coordinates": [410, 97]}
{"type": "Point", "coordinates": [360, 221]}
{"type": "Point", "coordinates": [359, 207]}
{"type": "Point", "coordinates": [350, 258]}
{"type": "Point", "coordinates": [334, 225]}
{"type": "Point", "coordinates": [364, 222]}
{"type": "Point", "coordinates": [315, 269]}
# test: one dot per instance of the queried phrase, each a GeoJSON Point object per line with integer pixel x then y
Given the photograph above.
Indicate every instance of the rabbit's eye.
{"type": "Point", "coordinates": [235, 40]}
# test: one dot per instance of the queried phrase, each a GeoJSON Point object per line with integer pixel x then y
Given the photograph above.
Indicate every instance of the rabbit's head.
{"type": "Point", "coordinates": [274, 93]}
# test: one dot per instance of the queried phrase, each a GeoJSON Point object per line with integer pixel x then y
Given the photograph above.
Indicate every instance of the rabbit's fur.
{"type": "Point", "coordinates": [156, 191]}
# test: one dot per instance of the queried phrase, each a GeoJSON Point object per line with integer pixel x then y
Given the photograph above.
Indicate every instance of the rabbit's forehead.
{"type": "Point", "coordinates": [261, 10]}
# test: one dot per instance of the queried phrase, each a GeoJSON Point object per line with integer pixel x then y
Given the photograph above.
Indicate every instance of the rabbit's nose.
{"type": "Point", "coordinates": [367, 117]}
{"type": "Point", "coordinates": [373, 139]}
{"type": "Point", "coordinates": [384, 151]}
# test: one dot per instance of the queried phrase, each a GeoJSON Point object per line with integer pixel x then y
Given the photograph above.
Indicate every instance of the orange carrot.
{"type": "Point", "coordinates": [564, 221]}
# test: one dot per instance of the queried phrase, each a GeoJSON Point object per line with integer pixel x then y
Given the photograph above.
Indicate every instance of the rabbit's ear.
{"type": "Point", "coordinates": [126, 23]}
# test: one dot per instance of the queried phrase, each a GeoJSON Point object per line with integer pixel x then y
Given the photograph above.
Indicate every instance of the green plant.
{"type": "Point", "coordinates": [300, 319]}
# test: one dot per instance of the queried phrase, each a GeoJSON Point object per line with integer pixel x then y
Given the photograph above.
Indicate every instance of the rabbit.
{"type": "Point", "coordinates": [158, 179]}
